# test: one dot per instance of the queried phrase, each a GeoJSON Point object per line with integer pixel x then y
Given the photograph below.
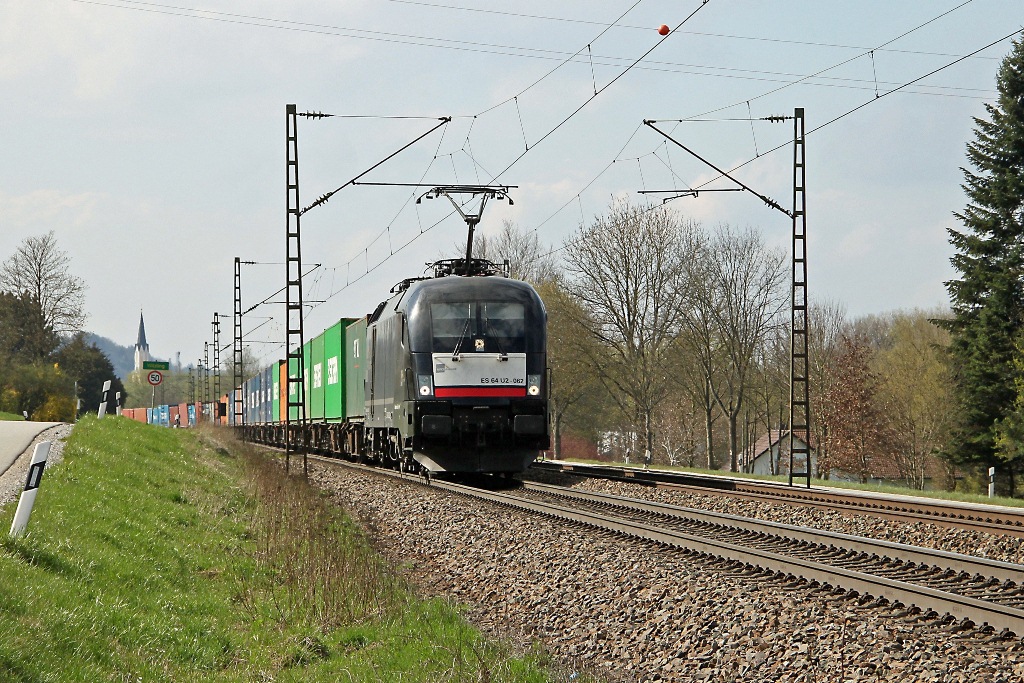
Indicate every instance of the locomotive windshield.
{"type": "Point", "coordinates": [478, 326]}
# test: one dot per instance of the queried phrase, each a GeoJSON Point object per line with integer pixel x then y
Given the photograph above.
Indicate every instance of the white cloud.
{"type": "Point", "coordinates": [87, 51]}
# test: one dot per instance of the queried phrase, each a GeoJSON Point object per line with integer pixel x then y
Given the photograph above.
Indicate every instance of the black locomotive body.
{"type": "Point", "coordinates": [456, 376]}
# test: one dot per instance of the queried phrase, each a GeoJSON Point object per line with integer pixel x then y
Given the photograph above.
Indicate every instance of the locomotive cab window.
{"type": "Point", "coordinates": [479, 326]}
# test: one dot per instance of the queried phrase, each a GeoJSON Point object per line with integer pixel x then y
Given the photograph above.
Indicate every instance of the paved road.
{"type": "Point", "coordinates": [15, 437]}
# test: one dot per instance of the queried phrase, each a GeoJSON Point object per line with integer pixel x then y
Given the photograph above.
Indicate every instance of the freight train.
{"type": "Point", "coordinates": [449, 374]}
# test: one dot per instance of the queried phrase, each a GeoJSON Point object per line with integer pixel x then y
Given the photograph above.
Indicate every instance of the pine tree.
{"type": "Point", "coordinates": [988, 299]}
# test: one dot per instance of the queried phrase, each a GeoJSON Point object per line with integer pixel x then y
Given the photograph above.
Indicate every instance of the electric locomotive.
{"type": "Point", "coordinates": [456, 372]}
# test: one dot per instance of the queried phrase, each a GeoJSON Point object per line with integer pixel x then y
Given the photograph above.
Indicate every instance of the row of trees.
{"type": "Point", "coordinates": [46, 367]}
{"type": "Point", "coordinates": [673, 338]}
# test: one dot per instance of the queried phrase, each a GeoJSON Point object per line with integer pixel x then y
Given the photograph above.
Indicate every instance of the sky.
{"type": "Point", "coordinates": [150, 137]}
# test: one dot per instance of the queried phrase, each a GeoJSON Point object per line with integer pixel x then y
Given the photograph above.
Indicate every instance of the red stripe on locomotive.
{"type": "Point", "coordinates": [479, 392]}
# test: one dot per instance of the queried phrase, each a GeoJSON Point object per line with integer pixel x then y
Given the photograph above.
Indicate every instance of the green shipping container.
{"type": "Point", "coordinates": [355, 368]}
{"type": "Point", "coordinates": [317, 377]}
{"type": "Point", "coordinates": [307, 351]}
{"type": "Point", "coordinates": [293, 371]}
{"type": "Point", "coordinates": [293, 412]}
{"type": "Point", "coordinates": [337, 377]}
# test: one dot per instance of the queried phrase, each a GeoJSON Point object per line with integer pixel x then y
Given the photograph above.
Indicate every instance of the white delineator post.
{"type": "Point", "coordinates": [103, 403]}
{"type": "Point", "coordinates": [28, 496]}
{"type": "Point", "coordinates": [991, 482]}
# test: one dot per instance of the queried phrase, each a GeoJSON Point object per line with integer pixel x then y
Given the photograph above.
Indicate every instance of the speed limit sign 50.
{"type": "Point", "coordinates": [155, 377]}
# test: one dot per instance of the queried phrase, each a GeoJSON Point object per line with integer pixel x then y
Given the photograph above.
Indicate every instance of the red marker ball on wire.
{"type": "Point", "coordinates": [663, 30]}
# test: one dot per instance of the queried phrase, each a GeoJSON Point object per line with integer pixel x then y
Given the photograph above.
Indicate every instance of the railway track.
{"type": "Point", "coordinates": [986, 518]}
{"type": "Point", "coordinates": [961, 591]}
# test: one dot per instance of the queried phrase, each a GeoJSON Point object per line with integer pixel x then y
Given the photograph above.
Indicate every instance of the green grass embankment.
{"type": "Point", "coordinates": [10, 416]}
{"type": "Point", "coordinates": [152, 557]}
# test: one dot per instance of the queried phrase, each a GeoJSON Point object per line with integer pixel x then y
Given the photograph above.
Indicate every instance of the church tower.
{"type": "Point", "coordinates": [141, 347]}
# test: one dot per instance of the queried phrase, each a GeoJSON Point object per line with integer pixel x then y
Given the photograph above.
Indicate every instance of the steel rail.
{"type": "Point", "coordinates": [1004, 571]}
{"type": "Point", "coordinates": [988, 519]}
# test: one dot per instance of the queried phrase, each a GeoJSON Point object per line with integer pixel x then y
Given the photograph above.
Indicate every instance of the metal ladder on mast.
{"type": "Point", "coordinates": [799, 393]}
{"type": "Point", "coordinates": [295, 420]}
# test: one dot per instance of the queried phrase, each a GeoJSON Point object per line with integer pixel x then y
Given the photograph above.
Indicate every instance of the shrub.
{"type": "Point", "coordinates": [56, 408]}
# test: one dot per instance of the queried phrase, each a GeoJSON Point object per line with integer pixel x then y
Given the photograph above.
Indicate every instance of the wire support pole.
{"type": "Point", "coordinates": [239, 375]}
{"type": "Point", "coordinates": [799, 392]}
{"type": "Point", "coordinates": [295, 418]}
{"type": "Point", "coordinates": [799, 365]}
{"type": "Point", "coordinates": [216, 363]}
{"type": "Point", "coordinates": [206, 373]}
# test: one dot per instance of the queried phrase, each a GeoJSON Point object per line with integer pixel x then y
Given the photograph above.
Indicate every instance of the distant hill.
{"type": "Point", "coordinates": [121, 357]}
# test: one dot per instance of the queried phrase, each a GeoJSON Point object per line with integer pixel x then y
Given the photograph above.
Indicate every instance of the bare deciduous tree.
{"type": "Point", "coordinates": [628, 272]}
{"type": "Point", "coordinates": [740, 300]}
{"type": "Point", "coordinates": [678, 423]}
{"type": "Point", "coordinates": [40, 269]}
{"type": "Point", "coordinates": [573, 378]}
{"type": "Point", "coordinates": [528, 259]}
{"type": "Point", "coordinates": [771, 386]}
{"type": "Point", "coordinates": [699, 344]}
{"type": "Point", "coordinates": [916, 388]}
{"type": "Point", "coordinates": [827, 323]}
{"type": "Point", "coordinates": [859, 435]}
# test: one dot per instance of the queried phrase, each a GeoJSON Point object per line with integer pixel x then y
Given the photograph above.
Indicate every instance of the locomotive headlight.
{"type": "Point", "coordinates": [533, 385]}
{"type": "Point", "coordinates": [426, 384]}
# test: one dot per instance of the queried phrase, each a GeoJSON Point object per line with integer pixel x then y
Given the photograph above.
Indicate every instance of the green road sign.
{"type": "Point", "coordinates": [155, 365]}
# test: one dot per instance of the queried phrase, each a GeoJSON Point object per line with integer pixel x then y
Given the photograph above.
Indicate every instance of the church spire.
{"type": "Point", "coordinates": [141, 343]}
{"type": "Point", "coordinates": [141, 347]}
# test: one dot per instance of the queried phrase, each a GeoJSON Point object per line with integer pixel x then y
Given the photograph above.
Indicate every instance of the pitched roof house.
{"type": "Point", "coordinates": [767, 449]}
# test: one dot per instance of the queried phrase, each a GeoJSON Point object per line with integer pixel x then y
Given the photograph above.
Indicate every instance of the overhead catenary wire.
{"type": "Point", "coordinates": [564, 62]}
{"type": "Point", "coordinates": [699, 117]}
{"type": "Point", "coordinates": [508, 50]}
{"type": "Point", "coordinates": [575, 198]}
{"type": "Point", "coordinates": [610, 164]}
{"type": "Point", "coordinates": [872, 101]}
{"type": "Point", "coordinates": [329, 30]}
{"type": "Point", "coordinates": [702, 5]}
{"type": "Point", "coordinates": [823, 125]}
{"type": "Point", "coordinates": [847, 61]}
{"type": "Point", "coordinates": [267, 299]}
{"type": "Point", "coordinates": [494, 177]}
{"type": "Point", "coordinates": [323, 199]}
{"type": "Point", "coordinates": [576, 20]}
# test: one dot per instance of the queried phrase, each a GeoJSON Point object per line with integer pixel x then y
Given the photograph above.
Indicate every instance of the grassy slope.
{"type": "Point", "coordinates": [149, 558]}
{"type": "Point", "coordinates": [10, 416]}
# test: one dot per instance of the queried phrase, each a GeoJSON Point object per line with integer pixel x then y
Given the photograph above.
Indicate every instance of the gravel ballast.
{"type": "Point", "coordinates": [923, 534]}
{"type": "Point", "coordinates": [635, 611]}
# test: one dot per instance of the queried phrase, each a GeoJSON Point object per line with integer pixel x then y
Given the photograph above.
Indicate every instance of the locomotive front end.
{"type": "Point", "coordinates": [479, 358]}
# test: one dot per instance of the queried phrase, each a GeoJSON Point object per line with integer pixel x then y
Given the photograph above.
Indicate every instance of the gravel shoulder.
{"type": "Point", "coordinates": [12, 481]}
{"type": "Point", "coordinates": [633, 611]}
